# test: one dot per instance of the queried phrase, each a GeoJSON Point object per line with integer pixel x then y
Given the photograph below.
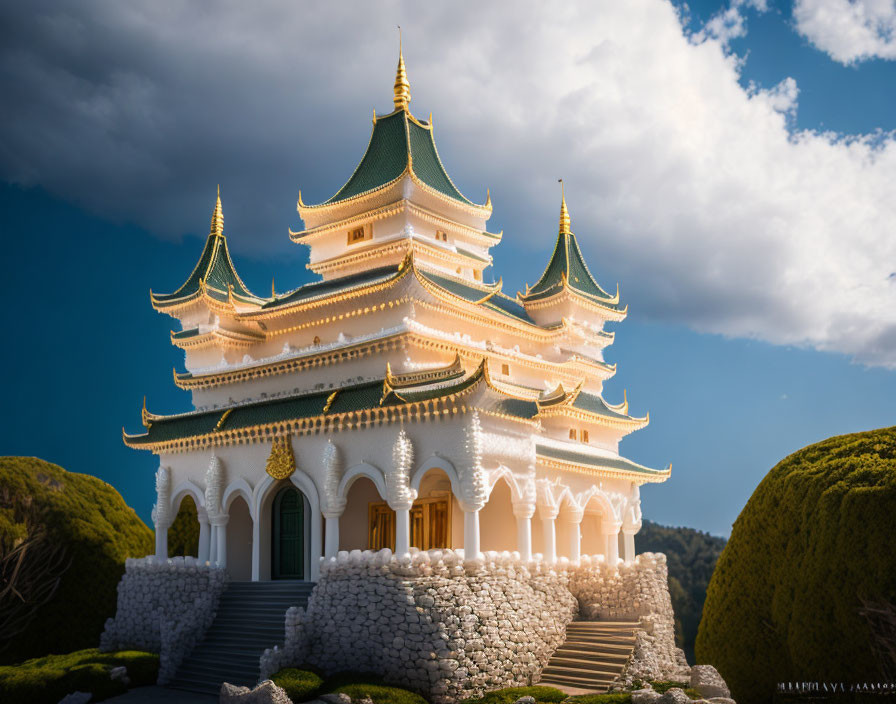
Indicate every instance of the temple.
{"type": "Point", "coordinates": [402, 400]}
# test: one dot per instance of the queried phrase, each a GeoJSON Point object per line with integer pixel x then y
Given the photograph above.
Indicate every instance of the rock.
{"type": "Point", "coordinates": [525, 700]}
{"type": "Point", "coordinates": [645, 696]}
{"type": "Point", "coordinates": [265, 693]}
{"type": "Point", "coordinates": [120, 673]}
{"type": "Point", "coordinates": [336, 698]}
{"type": "Point", "coordinates": [707, 680]}
{"type": "Point", "coordinates": [721, 700]}
{"type": "Point", "coordinates": [76, 698]}
{"type": "Point", "coordinates": [674, 696]}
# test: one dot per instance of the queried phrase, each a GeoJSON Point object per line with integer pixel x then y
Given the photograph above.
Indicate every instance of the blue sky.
{"type": "Point", "coordinates": [750, 231]}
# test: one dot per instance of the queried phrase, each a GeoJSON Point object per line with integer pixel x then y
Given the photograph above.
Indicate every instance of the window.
{"type": "Point", "coordinates": [477, 275]}
{"type": "Point", "coordinates": [572, 433]}
{"type": "Point", "coordinates": [316, 340]}
{"type": "Point", "coordinates": [441, 235]}
{"type": "Point", "coordinates": [430, 523]}
{"type": "Point", "coordinates": [358, 234]}
{"type": "Point", "coordinates": [584, 436]}
{"type": "Point", "coordinates": [505, 369]}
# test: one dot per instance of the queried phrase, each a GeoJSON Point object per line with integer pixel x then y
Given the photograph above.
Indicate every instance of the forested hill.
{"type": "Point", "coordinates": [692, 556]}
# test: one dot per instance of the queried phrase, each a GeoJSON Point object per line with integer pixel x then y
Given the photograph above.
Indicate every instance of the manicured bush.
{"type": "Point", "coordinates": [299, 685]}
{"type": "Point", "coordinates": [48, 679]}
{"type": "Point", "coordinates": [87, 530]}
{"type": "Point", "coordinates": [663, 686]}
{"type": "Point", "coordinates": [511, 694]}
{"type": "Point", "coordinates": [360, 684]}
{"type": "Point", "coordinates": [813, 542]}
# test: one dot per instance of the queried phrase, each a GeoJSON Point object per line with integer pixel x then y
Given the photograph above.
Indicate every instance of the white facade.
{"type": "Point", "coordinates": [421, 405]}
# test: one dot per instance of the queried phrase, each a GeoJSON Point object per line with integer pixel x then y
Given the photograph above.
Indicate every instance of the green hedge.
{"type": "Point", "coordinates": [48, 679]}
{"type": "Point", "coordinates": [98, 529]}
{"type": "Point", "coordinates": [815, 537]}
{"type": "Point", "coordinates": [511, 694]}
{"type": "Point", "coordinates": [299, 685]}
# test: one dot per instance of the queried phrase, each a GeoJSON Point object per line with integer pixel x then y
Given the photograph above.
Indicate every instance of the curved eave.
{"type": "Point", "coordinates": [612, 468]}
{"type": "Point", "coordinates": [217, 338]}
{"type": "Point", "coordinates": [549, 298]}
{"type": "Point", "coordinates": [627, 423]}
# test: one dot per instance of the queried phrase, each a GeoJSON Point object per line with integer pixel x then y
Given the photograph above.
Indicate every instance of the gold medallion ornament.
{"type": "Point", "coordinates": [281, 462]}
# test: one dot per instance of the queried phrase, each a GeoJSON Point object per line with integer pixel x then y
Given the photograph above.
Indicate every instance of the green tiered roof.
{"type": "Point", "coordinates": [399, 142]}
{"type": "Point", "coordinates": [567, 267]}
{"type": "Point", "coordinates": [214, 271]}
{"type": "Point", "coordinates": [586, 460]}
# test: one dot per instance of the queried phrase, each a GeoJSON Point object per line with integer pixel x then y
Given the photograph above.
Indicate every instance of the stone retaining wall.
{"type": "Point", "coordinates": [451, 628]}
{"type": "Point", "coordinates": [164, 607]}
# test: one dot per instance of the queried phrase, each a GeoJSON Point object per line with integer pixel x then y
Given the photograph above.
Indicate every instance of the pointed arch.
{"type": "Point", "coordinates": [595, 495]}
{"type": "Point", "coordinates": [181, 490]}
{"type": "Point", "coordinates": [437, 462]}
{"type": "Point", "coordinates": [355, 472]}
{"type": "Point", "coordinates": [504, 472]}
{"type": "Point", "coordinates": [239, 487]}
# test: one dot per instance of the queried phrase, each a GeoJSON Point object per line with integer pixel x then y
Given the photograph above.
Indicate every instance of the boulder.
{"type": "Point", "coordinates": [525, 700]}
{"type": "Point", "coordinates": [336, 698]}
{"type": "Point", "coordinates": [674, 696]}
{"type": "Point", "coordinates": [76, 698]}
{"type": "Point", "coordinates": [645, 696]}
{"type": "Point", "coordinates": [707, 680]}
{"type": "Point", "coordinates": [265, 693]}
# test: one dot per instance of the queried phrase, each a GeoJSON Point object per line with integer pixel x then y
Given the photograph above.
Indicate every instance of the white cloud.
{"type": "Point", "coordinates": [729, 23]}
{"type": "Point", "coordinates": [849, 30]}
{"type": "Point", "coordinates": [691, 190]}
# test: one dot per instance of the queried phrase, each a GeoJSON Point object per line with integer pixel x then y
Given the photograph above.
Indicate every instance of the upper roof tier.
{"type": "Point", "coordinates": [567, 269]}
{"type": "Point", "coordinates": [399, 144]}
{"type": "Point", "coordinates": [214, 274]}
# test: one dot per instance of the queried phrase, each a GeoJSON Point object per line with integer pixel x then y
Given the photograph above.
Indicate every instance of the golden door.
{"type": "Point", "coordinates": [430, 521]}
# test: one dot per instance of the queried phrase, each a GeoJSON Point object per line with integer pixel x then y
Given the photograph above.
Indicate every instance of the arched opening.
{"type": "Point", "coordinates": [437, 520]}
{"type": "Point", "coordinates": [497, 524]}
{"type": "Point", "coordinates": [183, 533]}
{"type": "Point", "coordinates": [355, 530]}
{"type": "Point", "coordinates": [239, 540]}
{"type": "Point", "coordinates": [538, 543]}
{"type": "Point", "coordinates": [594, 542]}
{"type": "Point", "coordinates": [289, 530]}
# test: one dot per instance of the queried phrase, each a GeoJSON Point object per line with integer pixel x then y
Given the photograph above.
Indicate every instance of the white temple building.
{"type": "Point", "coordinates": [400, 401]}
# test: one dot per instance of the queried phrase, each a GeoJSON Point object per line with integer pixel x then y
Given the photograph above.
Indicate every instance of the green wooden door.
{"type": "Point", "coordinates": [288, 538]}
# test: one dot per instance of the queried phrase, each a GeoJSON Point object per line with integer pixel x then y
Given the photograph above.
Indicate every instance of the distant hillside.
{"type": "Point", "coordinates": [63, 541]}
{"type": "Point", "coordinates": [692, 556]}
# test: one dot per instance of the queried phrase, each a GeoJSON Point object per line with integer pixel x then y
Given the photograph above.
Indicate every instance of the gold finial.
{"type": "Point", "coordinates": [402, 88]}
{"type": "Point", "coordinates": [217, 227]}
{"type": "Point", "coordinates": [564, 213]}
{"type": "Point", "coordinates": [273, 289]}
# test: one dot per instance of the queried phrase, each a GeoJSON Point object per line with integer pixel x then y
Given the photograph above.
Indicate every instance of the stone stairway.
{"type": "Point", "coordinates": [250, 618]}
{"type": "Point", "coordinates": [593, 656]}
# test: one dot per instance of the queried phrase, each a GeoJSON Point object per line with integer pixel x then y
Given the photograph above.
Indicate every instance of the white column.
{"type": "Point", "coordinates": [213, 544]}
{"type": "Point", "coordinates": [331, 545]}
{"type": "Point", "coordinates": [220, 525]}
{"type": "Point", "coordinates": [574, 549]}
{"type": "Point", "coordinates": [548, 515]}
{"type": "Point", "coordinates": [402, 531]}
{"type": "Point", "coordinates": [161, 541]}
{"type": "Point", "coordinates": [628, 545]}
{"type": "Point", "coordinates": [204, 537]}
{"type": "Point", "coordinates": [256, 545]}
{"type": "Point", "coordinates": [523, 512]}
{"type": "Point", "coordinates": [471, 535]}
{"type": "Point", "coordinates": [612, 532]}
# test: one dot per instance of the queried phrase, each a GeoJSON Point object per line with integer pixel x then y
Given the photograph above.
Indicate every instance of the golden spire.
{"type": "Point", "coordinates": [217, 217]}
{"type": "Point", "coordinates": [564, 213]}
{"type": "Point", "coordinates": [402, 88]}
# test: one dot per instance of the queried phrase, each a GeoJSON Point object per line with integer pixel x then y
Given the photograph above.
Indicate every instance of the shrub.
{"type": "Point", "coordinates": [380, 694]}
{"type": "Point", "coordinates": [511, 694]}
{"type": "Point", "coordinates": [48, 679]}
{"type": "Point", "coordinates": [608, 698]}
{"type": "Point", "coordinates": [299, 685]}
{"type": "Point", "coordinates": [85, 524]}
{"type": "Point", "coordinates": [663, 686]}
{"type": "Point", "coordinates": [812, 543]}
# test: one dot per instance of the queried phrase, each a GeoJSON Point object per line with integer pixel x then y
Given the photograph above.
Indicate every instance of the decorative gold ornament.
{"type": "Point", "coordinates": [402, 88]}
{"type": "Point", "coordinates": [564, 213]}
{"type": "Point", "coordinates": [281, 462]}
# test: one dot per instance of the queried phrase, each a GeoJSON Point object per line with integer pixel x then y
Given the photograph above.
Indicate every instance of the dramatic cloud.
{"type": "Point", "coordinates": [849, 30]}
{"type": "Point", "coordinates": [695, 192]}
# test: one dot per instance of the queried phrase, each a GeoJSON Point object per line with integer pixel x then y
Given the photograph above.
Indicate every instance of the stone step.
{"type": "Point", "coordinates": [580, 670]}
{"type": "Point", "coordinates": [237, 667]}
{"type": "Point", "coordinates": [599, 666]}
{"type": "Point", "coordinates": [588, 684]}
{"type": "Point", "coordinates": [617, 656]}
{"type": "Point", "coordinates": [606, 624]}
{"type": "Point", "coordinates": [221, 631]}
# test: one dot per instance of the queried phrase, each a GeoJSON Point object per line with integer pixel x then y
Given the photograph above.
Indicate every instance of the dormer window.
{"type": "Point", "coordinates": [572, 433]}
{"type": "Point", "coordinates": [359, 234]}
{"type": "Point", "coordinates": [584, 436]}
{"type": "Point", "coordinates": [505, 369]}
{"type": "Point", "coordinates": [441, 236]}
{"type": "Point", "coordinates": [477, 275]}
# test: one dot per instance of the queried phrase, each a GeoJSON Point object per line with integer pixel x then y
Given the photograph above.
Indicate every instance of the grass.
{"type": "Point", "coordinates": [48, 679]}
{"type": "Point", "coordinates": [511, 694]}
{"type": "Point", "coordinates": [608, 698]}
